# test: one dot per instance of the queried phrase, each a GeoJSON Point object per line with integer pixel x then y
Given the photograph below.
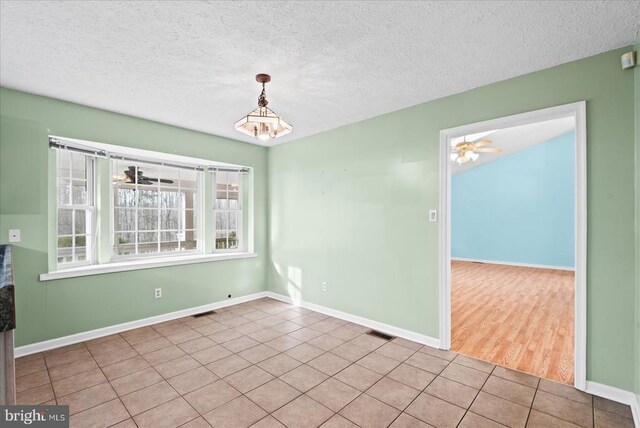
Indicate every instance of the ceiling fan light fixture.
{"type": "Point", "coordinates": [263, 123]}
{"type": "Point", "coordinates": [462, 159]}
{"type": "Point", "coordinates": [465, 151]}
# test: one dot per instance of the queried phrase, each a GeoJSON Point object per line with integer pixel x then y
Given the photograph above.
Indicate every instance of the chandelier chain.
{"type": "Point", "coordinates": [262, 99]}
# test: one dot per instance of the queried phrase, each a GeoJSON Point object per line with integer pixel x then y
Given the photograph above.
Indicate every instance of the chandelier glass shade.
{"type": "Point", "coordinates": [263, 123]}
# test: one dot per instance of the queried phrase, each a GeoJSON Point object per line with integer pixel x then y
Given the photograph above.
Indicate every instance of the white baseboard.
{"type": "Point", "coordinates": [33, 348]}
{"type": "Point", "coordinates": [616, 394]}
{"type": "Point", "coordinates": [375, 325]}
{"type": "Point", "coordinates": [494, 262]}
{"type": "Point", "coordinates": [601, 390]}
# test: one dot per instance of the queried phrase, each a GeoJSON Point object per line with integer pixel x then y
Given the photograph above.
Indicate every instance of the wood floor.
{"type": "Point", "coordinates": [516, 317]}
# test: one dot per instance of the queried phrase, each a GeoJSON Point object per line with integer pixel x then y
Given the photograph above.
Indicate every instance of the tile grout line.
{"type": "Point", "coordinates": [535, 393]}
{"type": "Point", "coordinates": [110, 386]}
{"type": "Point", "coordinates": [230, 374]}
{"type": "Point", "coordinates": [361, 393]}
{"type": "Point", "coordinates": [83, 389]}
{"type": "Point", "coordinates": [118, 396]}
{"type": "Point", "coordinates": [166, 381]}
{"type": "Point", "coordinates": [476, 396]}
{"type": "Point", "coordinates": [53, 391]}
{"type": "Point", "coordinates": [256, 364]}
{"type": "Point", "coordinates": [305, 364]}
{"type": "Point", "coordinates": [421, 391]}
{"type": "Point", "coordinates": [231, 325]}
{"type": "Point", "coordinates": [556, 395]}
{"type": "Point", "coordinates": [330, 377]}
{"type": "Point", "coordinates": [274, 378]}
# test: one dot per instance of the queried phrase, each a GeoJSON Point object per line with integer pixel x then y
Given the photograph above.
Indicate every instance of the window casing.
{"type": "Point", "coordinates": [130, 207]}
{"type": "Point", "coordinates": [227, 209]}
{"type": "Point", "coordinates": [154, 209]}
{"type": "Point", "coordinates": [75, 209]}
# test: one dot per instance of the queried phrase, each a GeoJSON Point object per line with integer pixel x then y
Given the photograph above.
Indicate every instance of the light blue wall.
{"type": "Point", "coordinates": [519, 208]}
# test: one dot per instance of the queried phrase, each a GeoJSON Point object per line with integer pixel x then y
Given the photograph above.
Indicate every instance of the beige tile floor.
{"type": "Point", "coordinates": [269, 364]}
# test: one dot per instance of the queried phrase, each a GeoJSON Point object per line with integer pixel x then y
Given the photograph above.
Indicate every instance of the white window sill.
{"type": "Point", "coordinates": [141, 264]}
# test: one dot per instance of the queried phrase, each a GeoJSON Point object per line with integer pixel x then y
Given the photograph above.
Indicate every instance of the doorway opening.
{"type": "Point", "coordinates": [513, 242]}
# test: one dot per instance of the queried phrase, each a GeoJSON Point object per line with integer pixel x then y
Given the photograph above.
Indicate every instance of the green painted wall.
{"type": "Point", "coordinates": [636, 74]}
{"type": "Point", "coordinates": [349, 206]}
{"type": "Point", "coordinates": [52, 309]}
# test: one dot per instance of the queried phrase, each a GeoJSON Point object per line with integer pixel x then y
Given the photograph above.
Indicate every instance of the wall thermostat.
{"type": "Point", "coordinates": [628, 60]}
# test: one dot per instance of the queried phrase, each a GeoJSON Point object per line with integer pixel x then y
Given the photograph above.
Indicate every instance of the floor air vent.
{"type": "Point", "coordinates": [380, 335]}
{"type": "Point", "coordinates": [203, 314]}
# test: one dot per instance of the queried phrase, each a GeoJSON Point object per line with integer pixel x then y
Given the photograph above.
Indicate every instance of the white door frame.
{"type": "Point", "coordinates": [578, 112]}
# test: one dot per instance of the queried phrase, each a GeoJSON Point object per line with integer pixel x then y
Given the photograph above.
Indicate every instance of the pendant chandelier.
{"type": "Point", "coordinates": [262, 123]}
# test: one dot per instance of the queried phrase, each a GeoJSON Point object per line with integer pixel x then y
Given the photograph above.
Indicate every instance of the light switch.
{"type": "Point", "coordinates": [14, 235]}
{"type": "Point", "coordinates": [433, 216]}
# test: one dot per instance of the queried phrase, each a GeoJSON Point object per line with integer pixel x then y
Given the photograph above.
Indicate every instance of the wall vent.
{"type": "Point", "coordinates": [381, 335]}
{"type": "Point", "coordinates": [203, 314]}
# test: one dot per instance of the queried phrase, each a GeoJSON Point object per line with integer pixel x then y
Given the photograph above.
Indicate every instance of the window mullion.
{"type": "Point", "coordinates": [158, 209]}
{"type": "Point", "coordinates": [73, 236]}
{"type": "Point", "coordinates": [226, 232]}
{"type": "Point", "coordinates": [137, 208]}
{"type": "Point", "coordinates": [180, 228]}
{"type": "Point", "coordinates": [70, 186]}
{"type": "Point", "coordinates": [77, 216]}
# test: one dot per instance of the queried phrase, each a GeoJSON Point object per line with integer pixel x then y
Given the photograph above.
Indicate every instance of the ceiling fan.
{"type": "Point", "coordinates": [466, 151]}
{"type": "Point", "coordinates": [138, 178]}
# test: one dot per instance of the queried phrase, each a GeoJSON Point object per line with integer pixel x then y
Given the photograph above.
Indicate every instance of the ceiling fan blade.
{"type": "Point", "coordinates": [488, 150]}
{"type": "Point", "coordinates": [482, 143]}
{"type": "Point", "coordinates": [155, 180]}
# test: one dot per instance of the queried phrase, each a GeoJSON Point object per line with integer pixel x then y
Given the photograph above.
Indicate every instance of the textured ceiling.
{"type": "Point", "coordinates": [192, 64]}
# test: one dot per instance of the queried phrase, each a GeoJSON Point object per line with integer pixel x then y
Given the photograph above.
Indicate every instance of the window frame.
{"type": "Point", "coordinates": [240, 213]}
{"type": "Point", "coordinates": [90, 207]}
{"type": "Point", "coordinates": [198, 213]}
{"type": "Point", "coordinates": [102, 260]}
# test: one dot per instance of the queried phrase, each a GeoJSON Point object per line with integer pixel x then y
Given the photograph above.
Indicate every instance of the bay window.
{"type": "Point", "coordinates": [118, 205]}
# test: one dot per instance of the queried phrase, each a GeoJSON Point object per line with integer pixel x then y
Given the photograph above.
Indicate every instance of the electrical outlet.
{"type": "Point", "coordinates": [324, 286]}
{"type": "Point", "coordinates": [433, 216]}
{"type": "Point", "coordinates": [158, 293]}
